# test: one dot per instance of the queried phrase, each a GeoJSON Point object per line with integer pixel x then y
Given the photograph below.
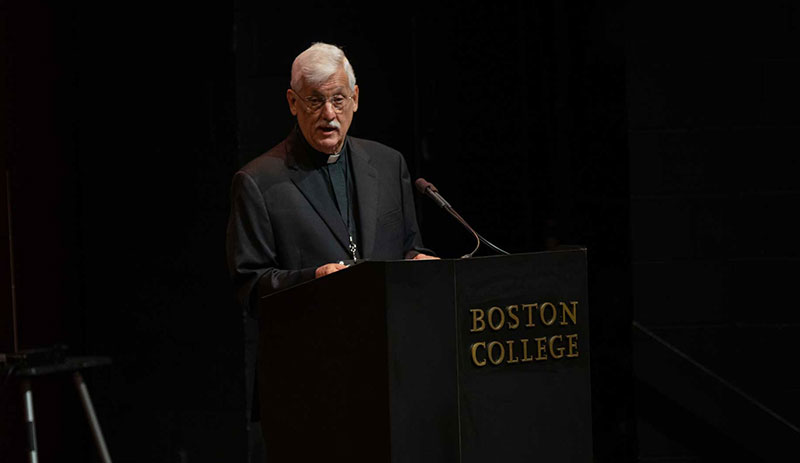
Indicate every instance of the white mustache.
{"type": "Point", "coordinates": [332, 123]}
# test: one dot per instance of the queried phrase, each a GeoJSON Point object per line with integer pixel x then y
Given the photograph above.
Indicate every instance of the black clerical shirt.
{"type": "Point", "coordinates": [340, 183]}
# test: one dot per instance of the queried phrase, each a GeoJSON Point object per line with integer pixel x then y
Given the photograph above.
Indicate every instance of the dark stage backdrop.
{"type": "Point", "coordinates": [122, 141]}
{"type": "Point", "coordinates": [713, 128]}
{"type": "Point", "coordinates": [127, 123]}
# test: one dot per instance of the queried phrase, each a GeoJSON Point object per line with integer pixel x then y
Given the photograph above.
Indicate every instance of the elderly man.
{"type": "Point", "coordinates": [319, 199]}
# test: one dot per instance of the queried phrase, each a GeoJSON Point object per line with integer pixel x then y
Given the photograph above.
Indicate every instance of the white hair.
{"type": "Point", "coordinates": [318, 63]}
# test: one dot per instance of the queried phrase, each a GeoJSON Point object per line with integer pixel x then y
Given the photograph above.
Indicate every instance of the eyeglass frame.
{"type": "Point", "coordinates": [324, 100]}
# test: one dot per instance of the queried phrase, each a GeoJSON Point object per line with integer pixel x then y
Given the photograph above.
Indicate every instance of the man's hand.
{"type": "Point", "coordinates": [421, 256]}
{"type": "Point", "coordinates": [327, 269]}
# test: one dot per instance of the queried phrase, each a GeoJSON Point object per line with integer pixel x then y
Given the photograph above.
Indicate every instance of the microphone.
{"type": "Point", "coordinates": [428, 189]}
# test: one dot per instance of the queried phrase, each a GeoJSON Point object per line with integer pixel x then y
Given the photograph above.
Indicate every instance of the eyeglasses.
{"type": "Point", "coordinates": [315, 103]}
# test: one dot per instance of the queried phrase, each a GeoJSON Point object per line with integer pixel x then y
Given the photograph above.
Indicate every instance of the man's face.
{"type": "Point", "coordinates": [325, 128]}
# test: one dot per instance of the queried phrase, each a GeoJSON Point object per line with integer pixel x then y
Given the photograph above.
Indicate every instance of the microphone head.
{"type": "Point", "coordinates": [423, 185]}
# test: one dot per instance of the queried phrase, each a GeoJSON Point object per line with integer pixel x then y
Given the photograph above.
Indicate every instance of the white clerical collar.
{"type": "Point", "coordinates": [335, 157]}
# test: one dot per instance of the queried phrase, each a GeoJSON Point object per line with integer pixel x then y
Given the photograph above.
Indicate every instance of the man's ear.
{"type": "Point", "coordinates": [291, 98]}
{"type": "Point", "coordinates": [355, 98]}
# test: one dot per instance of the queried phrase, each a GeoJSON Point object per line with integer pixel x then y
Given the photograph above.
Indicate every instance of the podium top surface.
{"type": "Point", "coordinates": [455, 261]}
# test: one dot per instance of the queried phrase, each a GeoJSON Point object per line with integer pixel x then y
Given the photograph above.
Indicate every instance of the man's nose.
{"type": "Point", "coordinates": [327, 111]}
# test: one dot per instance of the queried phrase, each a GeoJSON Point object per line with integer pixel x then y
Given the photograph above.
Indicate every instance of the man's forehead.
{"type": "Point", "coordinates": [327, 90]}
{"type": "Point", "coordinates": [337, 82]}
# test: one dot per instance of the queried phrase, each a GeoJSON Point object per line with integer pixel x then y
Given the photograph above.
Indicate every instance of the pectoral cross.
{"type": "Point", "coordinates": [353, 249]}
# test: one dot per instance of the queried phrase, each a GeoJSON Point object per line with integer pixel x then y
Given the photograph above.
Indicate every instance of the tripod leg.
{"type": "Point", "coordinates": [97, 433]}
{"type": "Point", "coordinates": [27, 396]}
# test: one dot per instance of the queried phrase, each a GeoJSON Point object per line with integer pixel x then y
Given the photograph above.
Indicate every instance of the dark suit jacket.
{"type": "Point", "coordinates": [284, 222]}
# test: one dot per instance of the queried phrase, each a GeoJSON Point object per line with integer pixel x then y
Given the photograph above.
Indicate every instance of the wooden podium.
{"type": "Point", "coordinates": [474, 360]}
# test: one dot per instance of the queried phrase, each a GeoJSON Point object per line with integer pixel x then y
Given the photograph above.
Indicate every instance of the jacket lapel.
{"type": "Point", "coordinates": [366, 183]}
{"type": "Point", "coordinates": [312, 183]}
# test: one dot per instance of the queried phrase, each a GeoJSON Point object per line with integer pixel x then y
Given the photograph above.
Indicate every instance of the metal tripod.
{"type": "Point", "coordinates": [73, 364]}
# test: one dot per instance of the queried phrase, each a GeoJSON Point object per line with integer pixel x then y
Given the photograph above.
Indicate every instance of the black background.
{"type": "Point", "coordinates": [663, 138]}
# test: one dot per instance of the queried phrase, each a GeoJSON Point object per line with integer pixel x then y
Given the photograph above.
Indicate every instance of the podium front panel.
{"type": "Point", "coordinates": [523, 358]}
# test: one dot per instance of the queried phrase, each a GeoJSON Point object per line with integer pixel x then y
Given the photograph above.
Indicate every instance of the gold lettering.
{"type": "Point", "coordinates": [529, 308]}
{"type": "Point", "coordinates": [566, 311]}
{"type": "Point", "coordinates": [552, 319]}
{"type": "Point", "coordinates": [477, 316]}
{"type": "Point", "coordinates": [513, 316]}
{"type": "Point", "coordinates": [499, 325]}
{"type": "Point", "coordinates": [559, 350]}
{"type": "Point", "coordinates": [572, 345]}
{"type": "Point", "coordinates": [474, 349]}
{"type": "Point", "coordinates": [497, 318]}
{"type": "Point", "coordinates": [495, 360]}
{"type": "Point", "coordinates": [525, 357]}
{"type": "Point", "coordinates": [511, 357]}
{"type": "Point", "coordinates": [541, 348]}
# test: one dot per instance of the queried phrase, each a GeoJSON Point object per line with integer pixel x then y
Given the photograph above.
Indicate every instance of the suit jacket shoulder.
{"type": "Point", "coordinates": [270, 167]}
{"type": "Point", "coordinates": [376, 152]}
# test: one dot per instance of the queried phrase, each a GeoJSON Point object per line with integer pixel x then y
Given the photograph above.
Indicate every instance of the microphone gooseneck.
{"type": "Point", "coordinates": [426, 188]}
